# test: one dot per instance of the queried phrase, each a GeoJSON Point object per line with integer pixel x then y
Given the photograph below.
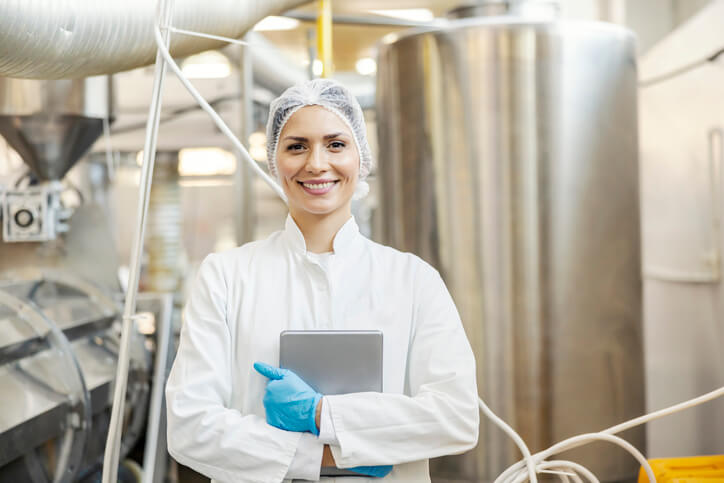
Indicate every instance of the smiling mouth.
{"type": "Point", "coordinates": [318, 186]}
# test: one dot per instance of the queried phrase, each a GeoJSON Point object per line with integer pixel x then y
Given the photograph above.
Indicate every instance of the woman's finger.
{"type": "Point", "coordinates": [273, 373]}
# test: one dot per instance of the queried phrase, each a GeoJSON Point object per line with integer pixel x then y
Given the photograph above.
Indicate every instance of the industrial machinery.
{"type": "Point", "coordinates": [51, 124]}
{"type": "Point", "coordinates": [59, 291]}
{"type": "Point", "coordinates": [58, 355]}
{"type": "Point", "coordinates": [508, 160]}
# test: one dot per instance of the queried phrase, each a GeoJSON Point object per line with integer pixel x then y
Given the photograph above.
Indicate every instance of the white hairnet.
{"type": "Point", "coordinates": [334, 97]}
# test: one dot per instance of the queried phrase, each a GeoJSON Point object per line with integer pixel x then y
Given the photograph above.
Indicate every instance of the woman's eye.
{"type": "Point", "coordinates": [337, 145]}
{"type": "Point", "coordinates": [295, 147]}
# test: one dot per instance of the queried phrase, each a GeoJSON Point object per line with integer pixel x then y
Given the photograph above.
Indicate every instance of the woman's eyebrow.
{"type": "Point", "coordinates": [333, 135]}
{"type": "Point", "coordinates": [296, 138]}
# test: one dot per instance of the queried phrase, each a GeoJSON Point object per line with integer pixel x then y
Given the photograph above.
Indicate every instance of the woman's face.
{"type": "Point", "coordinates": [317, 162]}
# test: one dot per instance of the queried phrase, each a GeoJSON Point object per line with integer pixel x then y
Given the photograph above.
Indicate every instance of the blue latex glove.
{"type": "Point", "coordinates": [289, 401]}
{"type": "Point", "coordinates": [374, 471]}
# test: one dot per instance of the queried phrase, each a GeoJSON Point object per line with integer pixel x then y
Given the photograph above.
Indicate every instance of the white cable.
{"type": "Point", "coordinates": [665, 412]}
{"type": "Point", "coordinates": [193, 33]}
{"type": "Point", "coordinates": [576, 468]}
{"type": "Point", "coordinates": [516, 468]}
{"type": "Point", "coordinates": [530, 463]}
{"type": "Point", "coordinates": [214, 115]}
{"type": "Point", "coordinates": [111, 454]}
{"type": "Point", "coordinates": [163, 58]}
{"type": "Point", "coordinates": [582, 439]}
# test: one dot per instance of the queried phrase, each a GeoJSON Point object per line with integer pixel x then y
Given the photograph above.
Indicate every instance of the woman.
{"type": "Point", "coordinates": [318, 273]}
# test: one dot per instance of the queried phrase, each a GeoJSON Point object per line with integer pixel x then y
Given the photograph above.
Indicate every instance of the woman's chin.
{"type": "Point", "coordinates": [321, 207]}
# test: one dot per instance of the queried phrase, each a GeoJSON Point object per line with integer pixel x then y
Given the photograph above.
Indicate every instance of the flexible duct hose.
{"type": "Point", "coordinates": [80, 38]}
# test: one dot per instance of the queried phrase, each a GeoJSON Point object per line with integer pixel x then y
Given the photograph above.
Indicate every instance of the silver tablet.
{"type": "Point", "coordinates": [334, 362]}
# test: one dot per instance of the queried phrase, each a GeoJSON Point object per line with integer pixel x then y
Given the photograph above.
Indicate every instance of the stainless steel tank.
{"type": "Point", "coordinates": [508, 160]}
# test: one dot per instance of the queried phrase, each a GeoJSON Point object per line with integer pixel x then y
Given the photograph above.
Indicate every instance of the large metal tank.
{"type": "Point", "coordinates": [508, 160]}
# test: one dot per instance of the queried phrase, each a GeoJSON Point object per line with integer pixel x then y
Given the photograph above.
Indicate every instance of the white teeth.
{"type": "Point", "coordinates": [318, 186]}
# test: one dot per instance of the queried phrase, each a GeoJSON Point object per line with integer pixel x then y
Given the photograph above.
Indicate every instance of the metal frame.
{"type": "Point", "coordinates": [78, 416]}
{"type": "Point", "coordinates": [34, 345]}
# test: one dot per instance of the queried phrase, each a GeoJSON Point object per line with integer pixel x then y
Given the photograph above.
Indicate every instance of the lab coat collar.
{"type": "Point", "coordinates": [343, 241]}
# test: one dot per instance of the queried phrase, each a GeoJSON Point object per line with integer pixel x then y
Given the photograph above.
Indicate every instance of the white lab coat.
{"type": "Point", "coordinates": [240, 302]}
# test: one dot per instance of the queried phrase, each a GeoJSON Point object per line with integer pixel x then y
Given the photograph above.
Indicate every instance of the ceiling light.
{"type": "Point", "coordinates": [258, 153]}
{"type": "Point", "coordinates": [206, 162]}
{"type": "Point", "coordinates": [276, 23]}
{"type": "Point", "coordinates": [257, 138]}
{"type": "Point", "coordinates": [411, 14]}
{"type": "Point", "coordinates": [317, 67]}
{"type": "Point", "coordinates": [206, 65]}
{"type": "Point", "coordinates": [366, 66]}
{"type": "Point", "coordinates": [390, 38]}
{"type": "Point", "coordinates": [257, 146]}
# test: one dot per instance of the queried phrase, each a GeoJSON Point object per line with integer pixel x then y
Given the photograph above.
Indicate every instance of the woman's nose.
{"type": "Point", "coordinates": [316, 161]}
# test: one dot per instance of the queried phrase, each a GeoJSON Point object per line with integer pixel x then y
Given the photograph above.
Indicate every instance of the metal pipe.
{"type": "Point", "coordinates": [366, 20]}
{"type": "Point", "coordinates": [243, 176]}
{"type": "Point", "coordinates": [324, 36]}
{"type": "Point", "coordinates": [163, 336]}
{"type": "Point", "coordinates": [115, 429]}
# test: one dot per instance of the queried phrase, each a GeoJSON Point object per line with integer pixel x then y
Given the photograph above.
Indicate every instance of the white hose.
{"type": "Point", "coordinates": [515, 473]}
{"type": "Point", "coordinates": [164, 52]}
{"type": "Point", "coordinates": [111, 455]}
{"type": "Point", "coordinates": [529, 462]}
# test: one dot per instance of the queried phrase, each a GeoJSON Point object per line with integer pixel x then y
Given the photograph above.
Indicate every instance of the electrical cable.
{"type": "Point", "coordinates": [213, 114]}
{"type": "Point", "coordinates": [529, 462]}
{"type": "Point", "coordinates": [207, 36]}
{"type": "Point", "coordinates": [513, 472]}
{"type": "Point", "coordinates": [666, 411]}
{"type": "Point", "coordinates": [111, 454]}
{"type": "Point", "coordinates": [571, 466]}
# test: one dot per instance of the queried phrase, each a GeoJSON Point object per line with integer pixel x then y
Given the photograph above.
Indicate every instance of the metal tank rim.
{"type": "Point", "coordinates": [508, 22]}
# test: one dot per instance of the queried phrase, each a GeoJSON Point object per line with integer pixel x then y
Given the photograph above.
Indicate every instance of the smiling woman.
{"type": "Point", "coordinates": [317, 164]}
{"type": "Point", "coordinates": [318, 273]}
{"type": "Point", "coordinates": [325, 101]}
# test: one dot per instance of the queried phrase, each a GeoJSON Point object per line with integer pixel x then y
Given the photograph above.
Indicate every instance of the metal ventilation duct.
{"type": "Point", "coordinates": [79, 38]}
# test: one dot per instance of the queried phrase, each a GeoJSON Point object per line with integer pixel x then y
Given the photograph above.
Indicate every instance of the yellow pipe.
{"type": "Point", "coordinates": [324, 36]}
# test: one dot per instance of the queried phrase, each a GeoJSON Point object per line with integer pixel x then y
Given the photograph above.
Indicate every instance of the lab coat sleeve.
{"type": "Point", "coordinates": [439, 417]}
{"type": "Point", "coordinates": [326, 426]}
{"type": "Point", "coordinates": [203, 432]}
{"type": "Point", "coordinates": [307, 462]}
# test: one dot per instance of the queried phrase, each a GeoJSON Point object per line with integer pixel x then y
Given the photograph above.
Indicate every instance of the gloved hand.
{"type": "Point", "coordinates": [289, 401]}
{"type": "Point", "coordinates": [374, 471]}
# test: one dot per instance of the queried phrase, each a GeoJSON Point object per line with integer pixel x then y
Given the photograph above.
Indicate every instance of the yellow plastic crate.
{"type": "Point", "coordinates": [695, 469]}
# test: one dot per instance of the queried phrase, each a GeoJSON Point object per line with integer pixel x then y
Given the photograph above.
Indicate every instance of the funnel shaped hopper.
{"type": "Point", "coordinates": [52, 123]}
{"type": "Point", "coordinates": [50, 145]}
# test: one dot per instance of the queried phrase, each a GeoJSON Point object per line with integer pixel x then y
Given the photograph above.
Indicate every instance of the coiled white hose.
{"type": "Point", "coordinates": [519, 472]}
